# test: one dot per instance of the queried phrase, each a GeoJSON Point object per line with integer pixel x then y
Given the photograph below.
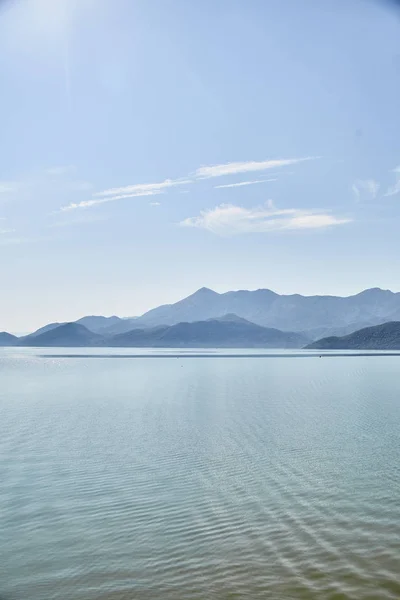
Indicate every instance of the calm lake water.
{"type": "Point", "coordinates": [201, 477]}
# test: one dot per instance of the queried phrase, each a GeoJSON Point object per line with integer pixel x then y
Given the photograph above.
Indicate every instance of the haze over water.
{"type": "Point", "coordinates": [213, 477]}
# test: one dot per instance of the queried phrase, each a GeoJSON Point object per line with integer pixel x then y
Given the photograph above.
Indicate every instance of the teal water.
{"type": "Point", "coordinates": [204, 477]}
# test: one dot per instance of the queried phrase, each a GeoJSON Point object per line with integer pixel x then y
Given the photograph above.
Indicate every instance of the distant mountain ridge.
{"type": "Point", "coordinates": [379, 337]}
{"type": "Point", "coordinates": [313, 315]}
{"type": "Point", "coordinates": [229, 331]}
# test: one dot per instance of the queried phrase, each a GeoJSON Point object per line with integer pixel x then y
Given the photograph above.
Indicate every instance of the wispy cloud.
{"type": "Point", "coordinates": [233, 185]}
{"type": "Point", "coordinates": [152, 189]}
{"type": "Point", "coordinates": [143, 187]}
{"type": "Point", "coordinates": [129, 191]}
{"type": "Point", "coordinates": [394, 189]}
{"type": "Point", "coordinates": [228, 219]}
{"type": "Point", "coordinates": [234, 168]}
{"type": "Point", "coordinates": [155, 203]}
{"type": "Point", "coordinates": [97, 201]}
{"type": "Point", "coordinates": [365, 189]}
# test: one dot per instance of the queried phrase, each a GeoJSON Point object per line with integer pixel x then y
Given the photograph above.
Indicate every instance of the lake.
{"type": "Point", "coordinates": [210, 476]}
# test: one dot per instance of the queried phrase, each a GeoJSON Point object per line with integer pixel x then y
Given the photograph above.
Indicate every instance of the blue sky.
{"type": "Point", "coordinates": [152, 147]}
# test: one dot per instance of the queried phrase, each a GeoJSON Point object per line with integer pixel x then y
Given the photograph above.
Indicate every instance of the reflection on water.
{"type": "Point", "coordinates": [200, 478]}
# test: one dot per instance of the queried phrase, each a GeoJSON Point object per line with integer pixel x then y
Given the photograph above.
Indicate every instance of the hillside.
{"type": "Point", "coordinates": [65, 335]}
{"type": "Point", "coordinates": [45, 328]}
{"type": "Point", "coordinates": [379, 337]}
{"type": "Point", "coordinates": [228, 331]}
{"type": "Point", "coordinates": [7, 339]}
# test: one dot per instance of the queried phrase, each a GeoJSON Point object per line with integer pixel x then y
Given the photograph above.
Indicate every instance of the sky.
{"type": "Point", "coordinates": [152, 147]}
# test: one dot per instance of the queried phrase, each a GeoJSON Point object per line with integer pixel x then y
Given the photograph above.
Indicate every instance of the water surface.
{"type": "Point", "coordinates": [211, 477]}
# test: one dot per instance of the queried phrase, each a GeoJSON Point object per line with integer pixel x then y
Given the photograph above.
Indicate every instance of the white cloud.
{"type": "Point", "coordinates": [150, 189]}
{"type": "Point", "coordinates": [232, 185]}
{"type": "Point", "coordinates": [228, 219]}
{"type": "Point", "coordinates": [155, 203]}
{"type": "Point", "coordinates": [129, 191]}
{"type": "Point", "coordinates": [138, 188]}
{"type": "Point", "coordinates": [246, 167]}
{"type": "Point", "coordinates": [97, 201]}
{"type": "Point", "coordinates": [4, 231]}
{"type": "Point", "coordinates": [365, 189]}
{"type": "Point", "coordinates": [394, 189]}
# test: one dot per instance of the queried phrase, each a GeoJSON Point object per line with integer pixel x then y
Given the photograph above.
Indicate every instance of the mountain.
{"type": "Point", "coordinates": [312, 317]}
{"type": "Point", "coordinates": [309, 314]}
{"type": "Point", "coordinates": [322, 332]}
{"type": "Point", "coordinates": [203, 304]}
{"type": "Point", "coordinates": [379, 337]}
{"type": "Point", "coordinates": [45, 328]}
{"type": "Point", "coordinates": [137, 338]}
{"type": "Point", "coordinates": [121, 326]}
{"type": "Point", "coordinates": [98, 324]}
{"type": "Point", "coordinates": [7, 339]}
{"type": "Point", "coordinates": [229, 331]}
{"type": "Point", "coordinates": [232, 318]}
{"type": "Point", "coordinates": [226, 332]}
{"type": "Point", "coordinates": [65, 335]}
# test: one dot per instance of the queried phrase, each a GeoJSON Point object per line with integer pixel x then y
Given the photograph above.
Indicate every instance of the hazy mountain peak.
{"type": "Point", "coordinates": [96, 322]}
{"type": "Point", "coordinates": [375, 291]}
{"type": "Point", "coordinates": [205, 291]}
{"type": "Point", "coordinates": [7, 339]}
{"type": "Point", "coordinates": [66, 334]}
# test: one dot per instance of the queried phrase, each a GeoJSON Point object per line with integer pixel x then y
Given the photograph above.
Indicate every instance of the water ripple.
{"type": "Point", "coordinates": [229, 479]}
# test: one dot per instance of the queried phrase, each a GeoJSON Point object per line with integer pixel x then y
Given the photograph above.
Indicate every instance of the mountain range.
{"type": "Point", "coordinates": [229, 331]}
{"type": "Point", "coordinates": [254, 318]}
{"type": "Point", "coordinates": [315, 316]}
